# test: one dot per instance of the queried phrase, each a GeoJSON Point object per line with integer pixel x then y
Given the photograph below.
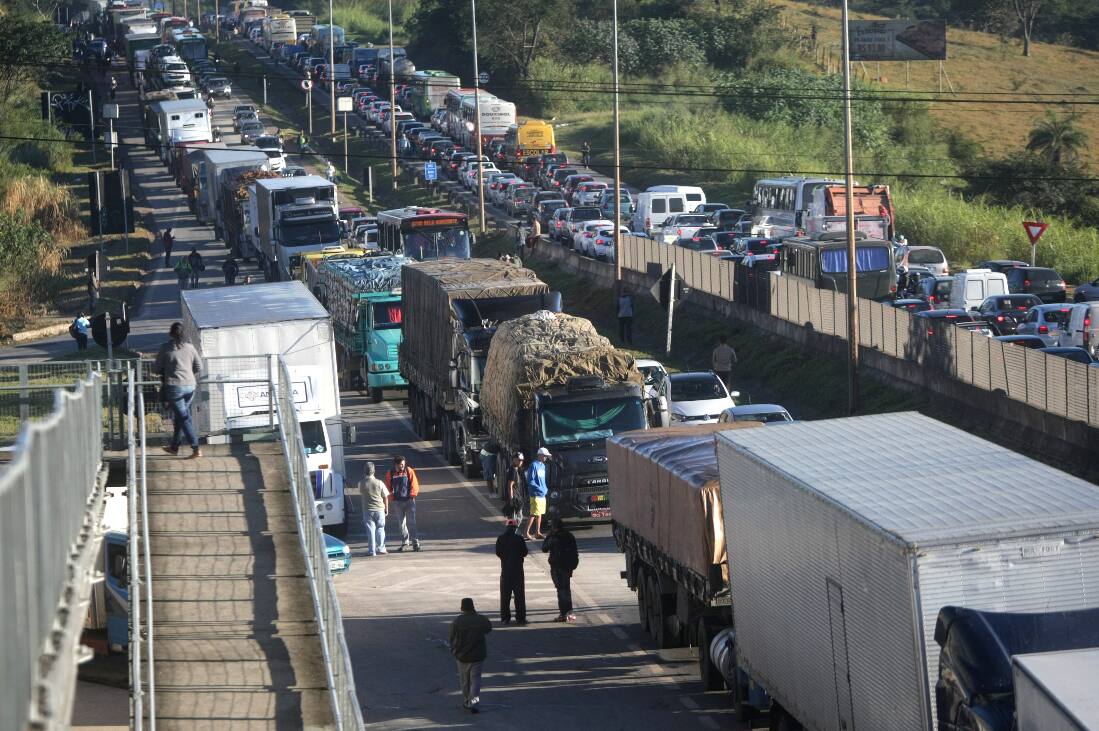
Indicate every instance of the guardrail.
{"type": "Point", "coordinates": [50, 504]}
{"type": "Point", "coordinates": [341, 681]}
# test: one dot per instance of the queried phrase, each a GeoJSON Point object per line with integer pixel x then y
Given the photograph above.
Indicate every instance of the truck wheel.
{"type": "Point", "coordinates": [376, 394]}
{"type": "Point", "coordinates": [707, 673]}
{"type": "Point", "coordinates": [642, 601]}
{"type": "Point", "coordinates": [450, 442]}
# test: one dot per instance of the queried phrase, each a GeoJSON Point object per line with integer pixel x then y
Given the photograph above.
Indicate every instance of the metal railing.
{"type": "Point", "coordinates": [138, 538]}
{"type": "Point", "coordinates": [341, 681]}
{"type": "Point", "coordinates": [51, 499]}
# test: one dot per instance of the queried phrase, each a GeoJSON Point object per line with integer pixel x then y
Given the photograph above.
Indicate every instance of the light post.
{"type": "Point", "coordinates": [332, 64]}
{"type": "Point", "coordinates": [477, 123]}
{"type": "Point", "coordinates": [392, 102]}
{"type": "Point", "coordinates": [617, 167]}
{"type": "Point", "coordinates": [852, 282]}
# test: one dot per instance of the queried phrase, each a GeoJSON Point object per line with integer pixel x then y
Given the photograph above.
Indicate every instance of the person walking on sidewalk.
{"type": "Point", "coordinates": [179, 366]}
{"type": "Point", "coordinates": [512, 550]}
{"type": "Point", "coordinates": [722, 361]}
{"type": "Point", "coordinates": [513, 489]}
{"type": "Point", "coordinates": [197, 266]}
{"type": "Point", "coordinates": [467, 644]}
{"type": "Point", "coordinates": [625, 317]}
{"type": "Point", "coordinates": [563, 560]}
{"type": "Point", "coordinates": [403, 488]}
{"type": "Point", "coordinates": [537, 489]}
{"type": "Point", "coordinates": [375, 507]}
{"type": "Point", "coordinates": [230, 269]}
{"type": "Point", "coordinates": [169, 241]}
{"type": "Point", "coordinates": [183, 272]}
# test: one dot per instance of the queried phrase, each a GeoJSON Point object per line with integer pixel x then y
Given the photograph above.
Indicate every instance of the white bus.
{"type": "Point", "coordinates": [279, 29]}
{"type": "Point", "coordinates": [496, 116]}
{"type": "Point", "coordinates": [810, 206]}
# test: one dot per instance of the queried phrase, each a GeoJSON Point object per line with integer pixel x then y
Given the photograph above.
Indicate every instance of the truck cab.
{"type": "Point", "coordinates": [293, 216]}
{"type": "Point", "coordinates": [380, 319]}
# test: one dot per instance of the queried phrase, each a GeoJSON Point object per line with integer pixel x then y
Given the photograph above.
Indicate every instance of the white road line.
{"type": "Point", "coordinates": [619, 633]}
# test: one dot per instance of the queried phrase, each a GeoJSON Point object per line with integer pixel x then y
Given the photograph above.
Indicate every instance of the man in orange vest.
{"type": "Point", "coordinates": [403, 489]}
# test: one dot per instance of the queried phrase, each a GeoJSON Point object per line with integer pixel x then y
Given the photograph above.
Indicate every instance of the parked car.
{"type": "Point", "coordinates": [1000, 265]}
{"type": "Point", "coordinates": [931, 320]}
{"type": "Point", "coordinates": [1046, 321]}
{"type": "Point", "coordinates": [1027, 341]}
{"type": "Point", "coordinates": [696, 397]}
{"type": "Point", "coordinates": [1082, 329]}
{"type": "Point", "coordinates": [1078, 355]}
{"type": "Point", "coordinates": [339, 555]}
{"type": "Point", "coordinates": [1047, 284]}
{"type": "Point", "coordinates": [763, 413]}
{"type": "Point", "coordinates": [1005, 312]}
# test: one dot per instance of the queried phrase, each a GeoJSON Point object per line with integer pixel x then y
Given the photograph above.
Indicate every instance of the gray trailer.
{"type": "Point", "coordinates": [844, 541]}
{"type": "Point", "coordinates": [1057, 691]}
{"type": "Point", "coordinates": [210, 165]}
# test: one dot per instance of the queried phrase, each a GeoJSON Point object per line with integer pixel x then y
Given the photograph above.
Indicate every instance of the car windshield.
{"type": "Point", "coordinates": [578, 421]}
{"type": "Point", "coordinates": [312, 437]}
{"type": "Point", "coordinates": [450, 243]}
{"type": "Point", "coordinates": [691, 219]}
{"type": "Point", "coordinates": [926, 256]}
{"type": "Point", "coordinates": [309, 233]}
{"type": "Point", "coordinates": [1016, 303]}
{"type": "Point", "coordinates": [586, 214]}
{"type": "Point", "coordinates": [387, 315]}
{"type": "Point", "coordinates": [765, 418]}
{"type": "Point", "coordinates": [697, 388]}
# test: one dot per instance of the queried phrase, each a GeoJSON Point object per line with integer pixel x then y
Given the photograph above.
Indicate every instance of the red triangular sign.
{"type": "Point", "coordinates": [1034, 230]}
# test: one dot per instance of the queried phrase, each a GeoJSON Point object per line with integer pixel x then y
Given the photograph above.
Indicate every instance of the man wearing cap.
{"type": "Point", "coordinates": [513, 489]}
{"type": "Point", "coordinates": [511, 550]}
{"type": "Point", "coordinates": [467, 644]}
{"type": "Point", "coordinates": [375, 508]}
{"type": "Point", "coordinates": [537, 489]}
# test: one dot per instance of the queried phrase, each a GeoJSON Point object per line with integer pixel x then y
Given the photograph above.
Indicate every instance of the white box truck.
{"type": "Point", "coordinates": [211, 163]}
{"type": "Point", "coordinates": [844, 542]}
{"type": "Point", "coordinates": [240, 332]}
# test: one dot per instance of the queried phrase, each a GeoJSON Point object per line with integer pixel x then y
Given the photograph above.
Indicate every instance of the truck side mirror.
{"type": "Point", "coordinates": [662, 414]}
{"type": "Point", "coordinates": [453, 369]}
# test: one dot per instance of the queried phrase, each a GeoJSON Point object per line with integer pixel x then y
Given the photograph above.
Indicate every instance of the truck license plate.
{"type": "Point", "coordinates": [335, 564]}
{"type": "Point", "coordinates": [600, 513]}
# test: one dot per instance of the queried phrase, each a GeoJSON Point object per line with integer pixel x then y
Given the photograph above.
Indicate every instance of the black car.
{"type": "Point", "coordinates": [932, 319]}
{"type": "Point", "coordinates": [1046, 284]}
{"type": "Point", "coordinates": [1086, 292]}
{"type": "Point", "coordinates": [1027, 341]}
{"type": "Point", "coordinates": [456, 159]}
{"type": "Point", "coordinates": [724, 239]}
{"type": "Point", "coordinates": [935, 289]}
{"type": "Point", "coordinates": [546, 209]}
{"type": "Point", "coordinates": [1004, 312]}
{"type": "Point", "coordinates": [1000, 265]}
{"type": "Point", "coordinates": [1078, 355]}
{"type": "Point", "coordinates": [441, 150]}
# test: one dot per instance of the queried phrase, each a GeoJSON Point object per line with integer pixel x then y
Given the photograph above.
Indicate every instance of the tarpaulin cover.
{"type": "Point", "coordinates": [427, 290]}
{"type": "Point", "coordinates": [868, 202]}
{"type": "Point", "coordinates": [664, 486]}
{"type": "Point", "coordinates": [343, 279]}
{"type": "Point", "coordinates": [539, 351]}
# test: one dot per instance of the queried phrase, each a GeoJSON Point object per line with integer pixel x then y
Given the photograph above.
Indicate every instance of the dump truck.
{"type": "Point", "coordinates": [551, 380]}
{"type": "Point", "coordinates": [443, 353]}
{"type": "Point", "coordinates": [364, 297]}
{"type": "Point", "coordinates": [666, 501]}
{"type": "Point", "coordinates": [845, 543]}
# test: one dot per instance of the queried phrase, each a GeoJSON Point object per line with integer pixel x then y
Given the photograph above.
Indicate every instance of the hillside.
{"type": "Point", "coordinates": [978, 63]}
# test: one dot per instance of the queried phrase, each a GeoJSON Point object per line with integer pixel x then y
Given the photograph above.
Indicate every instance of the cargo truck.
{"type": "Point", "coordinates": [364, 297]}
{"type": "Point", "coordinates": [844, 543]}
{"type": "Point", "coordinates": [292, 216]}
{"type": "Point", "coordinates": [240, 332]}
{"type": "Point", "coordinates": [551, 380]}
{"type": "Point", "coordinates": [445, 345]}
{"type": "Point", "coordinates": [210, 165]}
{"type": "Point", "coordinates": [182, 122]}
{"type": "Point", "coordinates": [234, 212]}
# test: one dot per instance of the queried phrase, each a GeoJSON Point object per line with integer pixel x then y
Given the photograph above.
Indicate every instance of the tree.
{"type": "Point", "coordinates": [1057, 139]}
{"type": "Point", "coordinates": [1027, 12]}
{"type": "Point", "coordinates": [28, 46]}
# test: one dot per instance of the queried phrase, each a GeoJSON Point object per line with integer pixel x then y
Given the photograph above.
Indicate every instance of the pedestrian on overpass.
{"type": "Point", "coordinates": [375, 507]}
{"type": "Point", "coordinates": [722, 361]}
{"type": "Point", "coordinates": [467, 644]}
{"type": "Point", "coordinates": [230, 269]}
{"type": "Point", "coordinates": [179, 366]}
{"type": "Point", "coordinates": [512, 550]}
{"type": "Point", "coordinates": [169, 240]}
{"type": "Point", "coordinates": [403, 488]}
{"type": "Point", "coordinates": [537, 489]}
{"type": "Point", "coordinates": [563, 560]}
{"type": "Point", "coordinates": [183, 272]}
{"type": "Point", "coordinates": [198, 266]}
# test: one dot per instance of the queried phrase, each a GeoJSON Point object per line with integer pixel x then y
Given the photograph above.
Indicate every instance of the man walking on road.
{"type": "Point", "coordinates": [511, 550]}
{"type": "Point", "coordinates": [179, 366]}
{"type": "Point", "coordinates": [467, 644]}
{"type": "Point", "coordinates": [375, 507]}
{"type": "Point", "coordinates": [585, 154]}
{"type": "Point", "coordinates": [563, 560]}
{"type": "Point", "coordinates": [722, 361]}
{"type": "Point", "coordinates": [169, 241]}
{"type": "Point", "coordinates": [79, 329]}
{"type": "Point", "coordinates": [537, 489]}
{"type": "Point", "coordinates": [197, 266]}
{"type": "Point", "coordinates": [625, 317]}
{"type": "Point", "coordinates": [230, 269]}
{"type": "Point", "coordinates": [403, 488]}
{"type": "Point", "coordinates": [183, 272]}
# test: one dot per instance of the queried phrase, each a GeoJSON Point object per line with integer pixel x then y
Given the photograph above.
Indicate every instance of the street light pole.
{"type": "Point", "coordinates": [332, 64]}
{"type": "Point", "coordinates": [849, 195]}
{"type": "Point", "coordinates": [392, 102]}
{"type": "Point", "coordinates": [477, 123]}
{"type": "Point", "coordinates": [617, 166]}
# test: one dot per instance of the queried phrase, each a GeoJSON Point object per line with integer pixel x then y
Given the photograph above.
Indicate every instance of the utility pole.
{"type": "Point", "coordinates": [345, 143]}
{"type": "Point", "coordinates": [477, 123]}
{"type": "Point", "coordinates": [849, 198]}
{"type": "Point", "coordinates": [671, 309]}
{"type": "Point", "coordinates": [617, 167]}
{"type": "Point", "coordinates": [392, 103]}
{"type": "Point", "coordinates": [332, 64]}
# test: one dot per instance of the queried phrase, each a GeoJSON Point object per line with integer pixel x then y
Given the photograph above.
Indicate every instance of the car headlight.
{"type": "Point", "coordinates": [346, 551]}
{"type": "Point", "coordinates": [328, 506]}
{"type": "Point", "coordinates": [678, 417]}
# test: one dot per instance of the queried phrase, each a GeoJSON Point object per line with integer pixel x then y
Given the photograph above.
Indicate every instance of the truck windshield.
{"type": "Point", "coordinates": [587, 420]}
{"type": "Point", "coordinates": [309, 233]}
{"type": "Point", "coordinates": [387, 315]}
{"type": "Point", "coordinates": [312, 436]}
{"type": "Point", "coordinates": [449, 243]}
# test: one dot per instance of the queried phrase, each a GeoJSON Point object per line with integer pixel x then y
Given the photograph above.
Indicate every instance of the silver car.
{"type": "Point", "coordinates": [1046, 321]}
{"type": "Point", "coordinates": [249, 131]}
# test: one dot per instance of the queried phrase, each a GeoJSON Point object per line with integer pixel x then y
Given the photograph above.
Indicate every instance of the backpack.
{"type": "Point", "coordinates": [567, 555]}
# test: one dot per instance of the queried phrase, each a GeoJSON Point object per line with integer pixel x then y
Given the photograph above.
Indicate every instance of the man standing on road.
{"type": "Point", "coordinates": [535, 231]}
{"type": "Point", "coordinates": [488, 466]}
{"type": "Point", "coordinates": [467, 644]}
{"type": "Point", "coordinates": [169, 240]}
{"type": "Point", "coordinates": [183, 272]}
{"type": "Point", "coordinates": [230, 269]}
{"type": "Point", "coordinates": [197, 266]}
{"type": "Point", "coordinates": [179, 366]}
{"type": "Point", "coordinates": [563, 560]}
{"type": "Point", "coordinates": [375, 507]}
{"type": "Point", "coordinates": [513, 489]}
{"type": "Point", "coordinates": [585, 154]}
{"type": "Point", "coordinates": [722, 361]}
{"type": "Point", "coordinates": [625, 317]}
{"type": "Point", "coordinates": [79, 329]}
{"type": "Point", "coordinates": [511, 550]}
{"type": "Point", "coordinates": [537, 489]}
{"type": "Point", "coordinates": [403, 488]}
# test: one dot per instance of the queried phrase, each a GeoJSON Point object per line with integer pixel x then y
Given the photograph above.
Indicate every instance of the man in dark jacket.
{"type": "Point", "coordinates": [467, 644]}
{"type": "Point", "coordinates": [511, 549]}
{"type": "Point", "coordinates": [197, 266]}
{"type": "Point", "coordinates": [563, 560]}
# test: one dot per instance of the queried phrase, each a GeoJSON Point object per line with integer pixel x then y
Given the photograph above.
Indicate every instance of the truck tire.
{"type": "Point", "coordinates": [451, 442]}
{"type": "Point", "coordinates": [707, 673]}
{"type": "Point", "coordinates": [642, 601]}
{"type": "Point", "coordinates": [376, 394]}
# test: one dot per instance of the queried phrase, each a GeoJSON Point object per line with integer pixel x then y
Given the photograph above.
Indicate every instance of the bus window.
{"type": "Point", "coordinates": [867, 259]}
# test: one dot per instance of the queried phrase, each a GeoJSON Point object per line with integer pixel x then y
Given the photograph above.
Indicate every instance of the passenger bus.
{"type": "Point", "coordinates": [190, 44]}
{"type": "Point", "coordinates": [429, 90]}
{"type": "Point", "coordinates": [452, 102]}
{"type": "Point", "coordinates": [810, 206]}
{"type": "Point", "coordinates": [165, 26]}
{"type": "Point", "coordinates": [424, 234]}
{"type": "Point", "coordinates": [496, 116]}
{"type": "Point", "coordinates": [135, 42]}
{"type": "Point", "coordinates": [532, 137]}
{"type": "Point", "coordinates": [823, 261]}
{"type": "Point", "coordinates": [279, 29]}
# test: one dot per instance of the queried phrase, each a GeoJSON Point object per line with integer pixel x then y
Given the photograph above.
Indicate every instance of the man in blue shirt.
{"type": "Point", "coordinates": [537, 489]}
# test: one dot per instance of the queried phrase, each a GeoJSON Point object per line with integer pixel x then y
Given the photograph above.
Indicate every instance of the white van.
{"type": "Point", "coordinates": [972, 286]}
{"type": "Point", "coordinates": [1082, 330]}
{"type": "Point", "coordinates": [661, 201]}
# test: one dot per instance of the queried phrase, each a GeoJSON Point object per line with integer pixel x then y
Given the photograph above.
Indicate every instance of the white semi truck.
{"type": "Point", "coordinates": [292, 216]}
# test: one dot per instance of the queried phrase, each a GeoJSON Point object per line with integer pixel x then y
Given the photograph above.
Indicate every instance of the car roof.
{"type": "Point", "coordinates": [647, 363]}
{"type": "Point", "coordinates": [1016, 338]}
{"type": "Point", "coordinates": [756, 409]}
{"type": "Point", "coordinates": [692, 376]}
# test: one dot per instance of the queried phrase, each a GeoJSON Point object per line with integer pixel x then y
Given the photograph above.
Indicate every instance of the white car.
{"type": "Point", "coordinates": [653, 373]}
{"type": "Point", "coordinates": [582, 240]}
{"type": "Point", "coordinates": [589, 193]}
{"type": "Point", "coordinates": [763, 413]}
{"type": "Point", "coordinates": [500, 183]}
{"type": "Point", "coordinates": [469, 162]}
{"type": "Point", "coordinates": [925, 256]}
{"type": "Point", "coordinates": [272, 145]}
{"type": "Point", "coordinates": [603, 242]}
{"type": "Point", "coordinates": [470, 179]}
{"type": "Point", "coordinates": [697, 397]}
{"type": "Point", "coordinates": [681, 226]}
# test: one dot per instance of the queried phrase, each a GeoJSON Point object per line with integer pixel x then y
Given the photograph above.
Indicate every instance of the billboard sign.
{"type": "Point", "coordinates": [898, 40]}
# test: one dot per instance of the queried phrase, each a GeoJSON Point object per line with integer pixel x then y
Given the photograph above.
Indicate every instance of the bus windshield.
{"type": "Point", "coordinates": [867, 259]}
{"type": "Point", "coordinates": [427, 244]}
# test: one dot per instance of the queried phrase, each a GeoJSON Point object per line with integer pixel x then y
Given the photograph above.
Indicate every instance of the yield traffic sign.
{"type": "Point", "coordinates": [1034, 230]}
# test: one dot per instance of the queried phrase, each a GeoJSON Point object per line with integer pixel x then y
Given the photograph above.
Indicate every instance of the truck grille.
{"type": "Point", "coordinates": [392, 352]}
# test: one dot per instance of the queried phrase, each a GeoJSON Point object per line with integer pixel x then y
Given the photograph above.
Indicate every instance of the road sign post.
{"type": "Point", "coordinates": [344, 105]}
{"type": "Point", "coordinates": [1034, 231]}
{"type": "Point", "coordinates": [431, 172]}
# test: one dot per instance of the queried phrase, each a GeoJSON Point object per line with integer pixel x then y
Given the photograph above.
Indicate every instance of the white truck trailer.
{"type": "Point", "coordinates": [1056, 691]}
{"type": "Point", "coordinates": [211, 163]}
{"type": "Point", "coordinates": [844, 541]}
{"type": "Point", "coordinates": [240, 332]}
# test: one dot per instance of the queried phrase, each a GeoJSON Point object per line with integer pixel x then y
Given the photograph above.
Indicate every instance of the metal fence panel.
{"type": "Point", "coordinates": [1057, 384]}
{"type": "Point", "coordinates": [1093, 396]}
{"type": "Point", "coordinates": [1036, 378]}
{"type": "Point", "coordinates": [1076, 398]}
{"type": "Point", "coordinates": [985, 350]}
{"type": "Point", "coordinates": [963, 356]}
{"type": "Point", "coordinates": [1010, 373]}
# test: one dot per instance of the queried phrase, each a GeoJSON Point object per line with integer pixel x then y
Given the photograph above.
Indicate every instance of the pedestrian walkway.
{"type": "Point", "coordinates": [235, 641]}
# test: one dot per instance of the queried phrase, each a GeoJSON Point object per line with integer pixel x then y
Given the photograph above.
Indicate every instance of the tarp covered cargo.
{"type": "Point", "coordinates": [342, 279]}
{"type": "Point", "coordinates": [427, 290]}
{"type": "Point", "coordinates": [540, 351]}
{"type": "Point", "coordinates": [664, 487]}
